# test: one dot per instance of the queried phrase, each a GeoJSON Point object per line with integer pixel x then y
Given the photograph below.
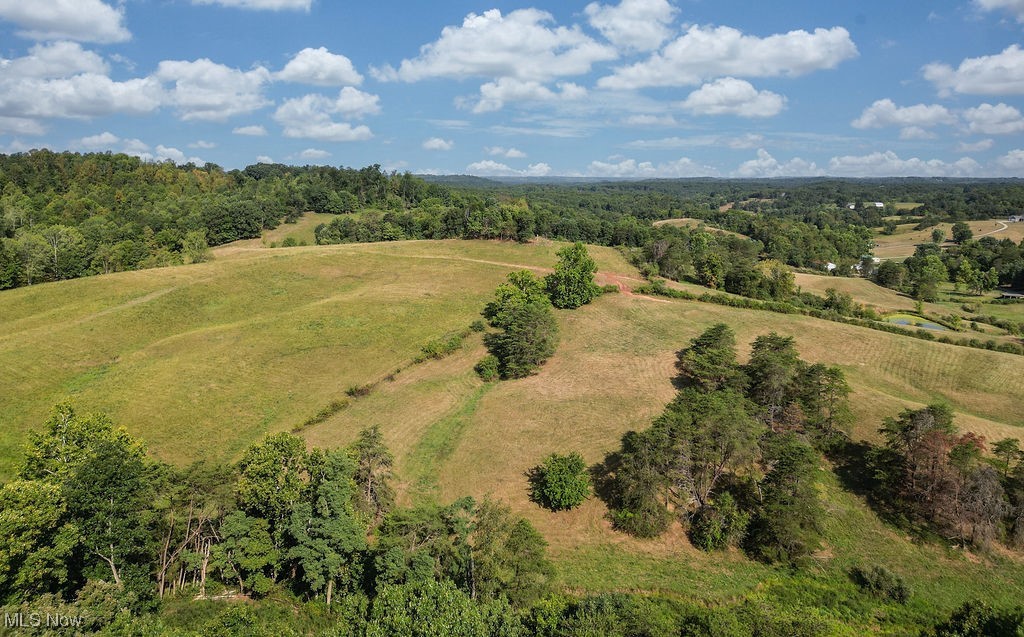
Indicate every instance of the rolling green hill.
{"type": "Point", "coordinates": [201, 361]}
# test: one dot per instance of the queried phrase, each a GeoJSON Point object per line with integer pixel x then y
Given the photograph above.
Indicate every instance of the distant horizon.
{"type": "Point", "coordinates": [520, 179]}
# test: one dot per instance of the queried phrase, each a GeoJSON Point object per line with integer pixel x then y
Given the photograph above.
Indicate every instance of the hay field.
{"type": "Point", "coordinates": [903, 243]}
{"type": "Point", "coordinates": [686, 222]}
{"type": "Point", "coordinates": [202, 360]}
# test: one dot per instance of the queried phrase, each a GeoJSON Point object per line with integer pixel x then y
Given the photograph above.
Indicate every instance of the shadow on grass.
{"type": "Point", "coordinates": [855, 464]}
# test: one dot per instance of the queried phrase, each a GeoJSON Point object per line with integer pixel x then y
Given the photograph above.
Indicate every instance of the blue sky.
{"type": "Point", "coordinates": [614, 88]}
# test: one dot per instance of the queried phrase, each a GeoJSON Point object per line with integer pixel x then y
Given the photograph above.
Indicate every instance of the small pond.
{"type": "Point", "coordinates": [913, 321]}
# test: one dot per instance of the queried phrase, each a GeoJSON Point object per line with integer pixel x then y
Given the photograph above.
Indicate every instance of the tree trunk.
{"type": "Point", "coordinates": [330, 590]}
{"type": "Point", "coordinates": [202, 573]}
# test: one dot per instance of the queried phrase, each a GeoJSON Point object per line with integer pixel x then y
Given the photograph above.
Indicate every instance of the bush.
{"type": "Point", "coordinates": [441, 347]}
{"type": "Point", "coordinates": [882, 583]}
{"type": "Point", "coordinates": [976, 618]}
{"type": "Point", "coordinates": [334, 407]}
{"type": "Point", "coordinates": [560, 483]}
{"type": "Point", "coordinates": [477, 326]}
{"type": "Point", "coordinates": [718, 525]}
{"type": "Point", "coordinates": [358, 391]}
{"type": "Point", "coordinates": [487, 368]}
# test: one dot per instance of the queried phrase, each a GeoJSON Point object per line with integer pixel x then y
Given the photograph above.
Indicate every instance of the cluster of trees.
{"type": "Point", "coordinates": [973, 265]}
{"type": "Point", "coordinates": [522, 311]}
{"type": "Point", "coordinates": [93, 525]}
{"type": "Point", "coordinates": [750, 267]}
{"type": "Point", "coordinates": [931, 474]}
{"type": "Point", "coordinates": [734, 456]}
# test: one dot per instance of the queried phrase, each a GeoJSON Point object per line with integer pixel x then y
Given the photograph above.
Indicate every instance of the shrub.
{"type": "Point", "coordinates": [358, 391]}
{"type": "Point", "coordinates": [477, 326]}
{"type": "Point", "coordinates": [561, 482]}
{"type": "Point", "coordinates": [978, 618]}
{"type": "Point", "coordinates": [718, 525]}
{"type": "Point", "coordinates": [487, 368]}
{"type": "Point", "coordinates": [441, 347]}
{"type": "Point", "coordinates": [882, 583]}
{"type": "Point", "coordinates": [334, 407]}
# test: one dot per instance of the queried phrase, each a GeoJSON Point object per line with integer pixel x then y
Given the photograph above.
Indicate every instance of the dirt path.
{"type": "Point", "coordinates": [1004, 227]}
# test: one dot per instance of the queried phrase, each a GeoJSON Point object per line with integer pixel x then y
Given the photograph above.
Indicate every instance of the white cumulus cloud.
{"type": "Point", "coordinates": [105, 139]}
{"type": "Point", "coordinates": [437, 143]}
{"type": "Point", "coordinates": [911, 133]}
{"type": "Point", "coordinates": [708, 52]}
{"type": "Point", "coordinates": [975, 147]}
{"type": "Point", "coordinates": [640, 25]}
{"type": "Point", "coordinates": [205, 90]}
{"type": "Point", "coordinates": [312, 116]}
{"type": "Point", "coordinates": [82, 20]}
{"type": "Point", "coordinates": [314, 153]}
{"type": "Point", "coordinates": [1015, 7]}
{"type": "Point", "coordinates": [320, 67]}
{"type": "Point", "coordinates": [730, 96]}
{"type": "Point", "coordinates": [767, 166]}
{"type": "Point", "coordinates": [20, 126]}
{"type": "Point", "coordinates": [491, 168]}
{"type": "Point", "coordinates": [999, 119]}
{"type": "Point", "coordinates": [999, 74]}
{"type": "Point", "coordinates": [254, 130]}
{"type": "Point", "coordinates": [885, 113]}
{"type": "Point", "coordinates": [1012, 163]}
{"type": "Point", "coordinates": [889, 164]}
{"type": "Point", "coordinates": [650, 120]}
{"type": "Point", "coordinates": [82, 96]}
{"type": "Point", "coordinates": [494, 95]}
{"type": "Point", "coordinates": [501, 151]}
{"type": "Point", "coordinates": [53, 60]}
{"type": "Point", "coordinates": [519, 45]}
{"type": "Point", "coordinates": [632, 169]}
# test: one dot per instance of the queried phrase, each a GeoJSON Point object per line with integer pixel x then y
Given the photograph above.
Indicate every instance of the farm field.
{"type": "Point", "coordinates": [862, 290]}
{"type": "Point", "coordinates": [201, 361]}
{"type": "Point", "coordinates": [903, 243]}
{"type": "Point", "coordinates": [687, 222]}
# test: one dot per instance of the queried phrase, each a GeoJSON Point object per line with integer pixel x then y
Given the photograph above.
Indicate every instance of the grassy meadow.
{"type": "Point", "coordinates": [201, 361]}
{"type": "Point", "coordinates": [905, 240]}
{"type": "Point", "coordinates": [687, 222]}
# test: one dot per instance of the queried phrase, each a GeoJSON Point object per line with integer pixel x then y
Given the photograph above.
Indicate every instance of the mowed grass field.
{"type": "Point", "coordinates": [303, 232]}
{"type": "Point", "coordinates": [903, 243]}
{"type": "Point", "coordinates": [686, 222]}
{"type": "Point", "coordinates": [201, 361]}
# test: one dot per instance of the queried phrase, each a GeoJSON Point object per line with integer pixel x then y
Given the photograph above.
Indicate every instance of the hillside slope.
{"type": "Point", "coordinates": [201, 361]}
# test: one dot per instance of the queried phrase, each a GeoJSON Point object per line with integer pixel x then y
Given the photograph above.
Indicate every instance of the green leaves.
{"type": "Point", "coordinates": [529, 333]}
{"type": "Point", "coordinates": [572, 283]}
{"type": "Point", "coordinates": [561, 482]}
